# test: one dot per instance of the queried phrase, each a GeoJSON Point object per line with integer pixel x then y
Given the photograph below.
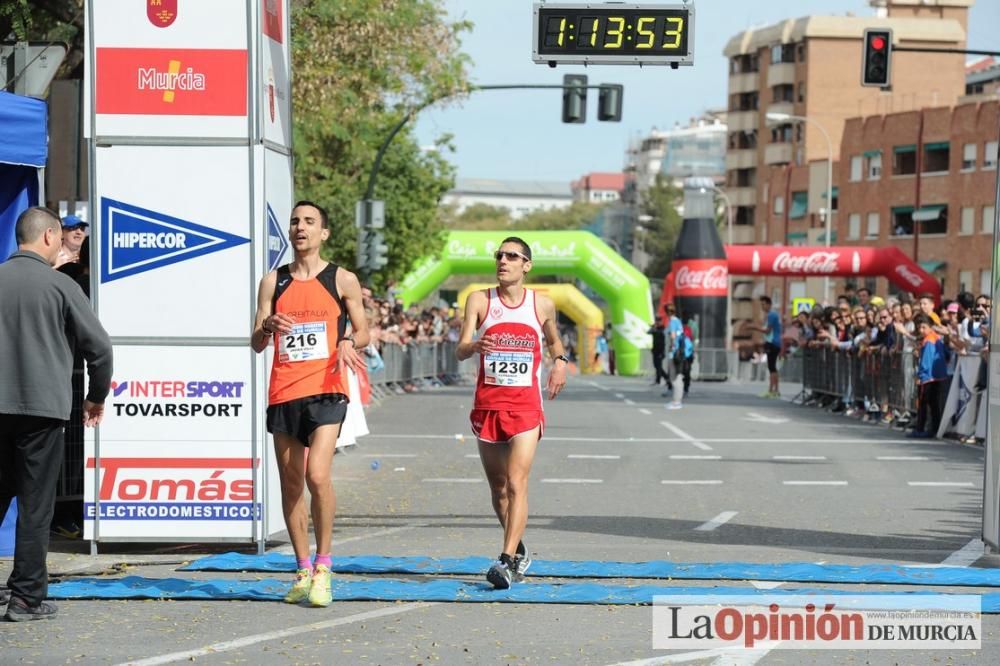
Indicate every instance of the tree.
{"type": "Point", "coordinates": [47, 20]}
{"type": "Point", "coordinates": [660, 202]}
{"type": "Point", "coordinates": [359, 67]}
{"type": "Point", "coordinates": [576, 216]}
{"type": "Point", "coordinates": [477, 217]}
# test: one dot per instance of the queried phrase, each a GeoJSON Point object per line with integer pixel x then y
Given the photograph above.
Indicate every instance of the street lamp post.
{"type": "Point", "coordinates": [785, 117]}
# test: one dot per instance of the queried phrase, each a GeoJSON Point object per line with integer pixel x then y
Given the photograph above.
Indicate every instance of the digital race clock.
{"type": "Point", "coordinates": [613, 34]}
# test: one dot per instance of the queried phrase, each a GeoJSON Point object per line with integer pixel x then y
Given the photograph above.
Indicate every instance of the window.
{"type": "Point", "coordinates": [968, 224]}
{"type": "Point", "coordinates": [969, 157]}
{"type": "Point", "coordinates": [856, 165]}
{"type": "Point", "coordinates": [782, 53]}
{"type": "Point", "coordinates": [801, 48]}
{"type": "Point", "coordinates": [873, 225]}
{"type": "Point", "coordinates": [779, 205]}
{"type": "Point", "coordinates": [904, 160]}
{"type": "Point", "coordinates": [988, 213]}
{"type": "Point", "coordinates": [874, 166]}
{"type": "Point", "coordinates": [783, 93]}
{"type": "Point", "coordinates": [902, 221]}
{"type": "Point", "coordinates": [933, 218]}
{"type": "Point", "coordinates": [802, 91]}
{"type": "Point", "coordinates": [800, 205]}
{"type": "Point", "coordinates": [986, 282]}
{"type": "Point", "coordinates": [781, 134]}
{"type": "Point", "coordinates": [854, 226]}
{"type": "Point", "coordinates": [990, 155]}
{"type": "Point", "coordinates": [964, 280]}
{"type": "Point", "coordinates": [936, 157]}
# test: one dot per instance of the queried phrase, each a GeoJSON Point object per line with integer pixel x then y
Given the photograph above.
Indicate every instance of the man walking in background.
{"type": "Point", "coordinates": [772, 345]}
{"type": "Point", "coordinates": [44, 315]}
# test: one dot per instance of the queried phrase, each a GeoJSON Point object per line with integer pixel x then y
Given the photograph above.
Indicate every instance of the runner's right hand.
{"type": "Point", "coordinates": [484, 345]}
{"type": "Point", "coordinates": [280, 322]}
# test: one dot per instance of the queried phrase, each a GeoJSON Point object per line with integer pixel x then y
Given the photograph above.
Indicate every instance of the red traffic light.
{"type": "Point", "coordinates": [878, 42]}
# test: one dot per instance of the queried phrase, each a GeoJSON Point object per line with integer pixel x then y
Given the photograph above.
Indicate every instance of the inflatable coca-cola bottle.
{"type": "Point", "coordinates": [701, 272]}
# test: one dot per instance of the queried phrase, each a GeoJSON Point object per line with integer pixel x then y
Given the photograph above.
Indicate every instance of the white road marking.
{"type": "Point", "coordinates": [725, 655]}
{"type": "Point", "coordinates": [247, 641]}
{"type": "Point", "coordinates": [452, 480]}
{"type": "Point", "coordinates": [645, 411]}
{"type": "Point", "coordinates": [966, 555]}
{"type": "Point", "coordinates": [667, 440]}
{"type": "Point", "coordinates": [691, 482]}
{"type": "Point", "coordinates": [629, 402]}
{"type": "Point", "coordinates": [572, 480]}
{"type": "Point", "coordinates": [619, 395]}
{"type": "Point", "coordinates": [584, 456]}
{"type": "Point", "coordinates": [389, 455]}
{"type": "Point", "coordinates": [941, 484]}
{"type": "Point", "coordinates": [815, 483]}
{"type": "Point", "coordinates": [678, 457]}
{"type": "Point", "coordinates": [760, 418]}
{"type": "Point", "coordinates": [472, 455]}
{"type": "Point", "coordinates": [902, 458]}
{"type": "Point", "coordinates": [686, 437]}
{"type": "Point", "coordinates": [719, 520]}
{"type": "Point", "coordinates": [798, 457]}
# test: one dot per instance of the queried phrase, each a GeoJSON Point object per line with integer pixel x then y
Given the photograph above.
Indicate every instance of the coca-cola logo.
{"type": "Point", "coordinates": [909, 276]}
{"type": "Point", "coordinates": [817, 262]}
{"type": "Point", "coordinates": [711, 279]}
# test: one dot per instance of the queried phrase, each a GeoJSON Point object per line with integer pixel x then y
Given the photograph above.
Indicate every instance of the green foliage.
{"type": "Point", "coordinates": [359, 67]}
{"type": "Point", "coordinates": [483, 217]}
{"type": "Point", "coordinates": [477, 217]}
{"type": "Point", "coordinates": [660, 202]}
{"type": "Point", "coordinates": [47, 20]}
{"type": "Point", "coordinates": [576, 216]}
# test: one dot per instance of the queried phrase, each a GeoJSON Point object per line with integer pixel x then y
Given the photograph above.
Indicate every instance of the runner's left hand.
{"type": "Point", "coordinates": [347, 355]}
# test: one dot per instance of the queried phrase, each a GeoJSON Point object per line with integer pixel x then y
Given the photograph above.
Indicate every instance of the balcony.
{"type": "Point", "coordinates": [778, 153]}
{"type": "Point", "coordinates": [786, 108]}
{"type": "Point", "coordinates": [743, 83]}
{"type": "Point", "coordinates": [742, 121]}
{"type": "Point", "coordinates": [781, 73]}
{"type": "Point", "coordinates": [743, 234]}
{"type": "Point", "coordinates": [741, 159]}
{"type": "Point", "coordinates": [742, 196]}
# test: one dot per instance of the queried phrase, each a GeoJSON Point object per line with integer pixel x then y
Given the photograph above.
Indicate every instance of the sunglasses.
{"type": "Point", "coordinates": [511, 256]}
{"type": "Point", "coordinates": [76, 227]}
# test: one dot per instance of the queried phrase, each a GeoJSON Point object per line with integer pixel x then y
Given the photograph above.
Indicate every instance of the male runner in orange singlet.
{"type": "Point", "coordinates": [305, 306]}
{"type": "Point", "coordinates": [507, 416]}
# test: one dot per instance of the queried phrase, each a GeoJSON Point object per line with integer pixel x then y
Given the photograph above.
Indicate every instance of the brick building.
{"type": "Point", "coordinates": [924, 181]}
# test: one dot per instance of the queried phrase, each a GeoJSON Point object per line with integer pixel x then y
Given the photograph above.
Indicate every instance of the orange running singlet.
{"type": "Point", "coordinates": [305, 360]}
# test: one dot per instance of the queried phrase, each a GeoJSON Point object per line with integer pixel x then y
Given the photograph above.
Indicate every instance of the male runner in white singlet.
{"type": "Point", "coordinates": [507, 416]}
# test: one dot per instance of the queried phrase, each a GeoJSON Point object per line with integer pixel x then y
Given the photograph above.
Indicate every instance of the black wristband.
{"type": "Point", "coordinates": [562, 357]}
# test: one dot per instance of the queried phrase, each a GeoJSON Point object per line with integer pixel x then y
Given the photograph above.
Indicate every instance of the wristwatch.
{"type": "Point", "coordinates": [562, 357]}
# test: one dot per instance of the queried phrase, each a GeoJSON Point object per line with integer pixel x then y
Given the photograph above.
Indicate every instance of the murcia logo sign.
{"type": "Point", "coordinates": [135, 240]}
{"type": "Point", "coordinates": [277, 243]}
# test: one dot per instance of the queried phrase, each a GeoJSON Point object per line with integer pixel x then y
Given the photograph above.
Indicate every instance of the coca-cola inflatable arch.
{"type": "Point", "coordinates": [709, 277]}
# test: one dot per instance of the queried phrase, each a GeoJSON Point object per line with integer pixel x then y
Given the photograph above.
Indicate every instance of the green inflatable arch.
{"type": "Point", "coordinates": [578, 253]}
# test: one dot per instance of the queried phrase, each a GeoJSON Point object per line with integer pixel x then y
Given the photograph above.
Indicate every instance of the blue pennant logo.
{"type": "Point", "coordinates": [135, 240]}
{"type": "Point", "coordinates": [277, 242]}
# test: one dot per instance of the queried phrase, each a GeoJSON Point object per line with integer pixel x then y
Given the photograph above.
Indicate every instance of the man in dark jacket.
{"type": "Point", "coordinates": [43, 316]}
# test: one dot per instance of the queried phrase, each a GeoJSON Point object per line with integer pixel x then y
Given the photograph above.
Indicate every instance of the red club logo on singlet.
{"type": "Point", "coordinates": [496, 312]}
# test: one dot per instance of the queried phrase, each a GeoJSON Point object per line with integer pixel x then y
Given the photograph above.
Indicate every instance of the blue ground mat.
{"type": "Point", "coordinates": [802, 572]}
{"type": "Point", "coordinates": [135, 587]}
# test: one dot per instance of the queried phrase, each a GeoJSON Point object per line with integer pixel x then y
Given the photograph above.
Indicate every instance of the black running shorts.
{"type": "Point", "coordinates": [300, 417]}
{"type": "Point", "coordinates": [772, 352]}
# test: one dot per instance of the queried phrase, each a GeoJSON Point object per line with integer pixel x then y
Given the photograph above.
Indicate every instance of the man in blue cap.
{"type": "Point", "coordinates": [74, 231]}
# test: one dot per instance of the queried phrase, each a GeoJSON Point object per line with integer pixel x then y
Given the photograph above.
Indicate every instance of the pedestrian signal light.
{"type": "Point", "coordinates": [574, 109]}
{"type": "Point", "coordinates": [609, 102]}
{"type": "Point", "coordinates": [877, 58]}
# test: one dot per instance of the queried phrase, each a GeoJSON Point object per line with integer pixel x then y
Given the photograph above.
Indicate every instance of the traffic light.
{"type": "Point", "coordinates": [574, 109]}
{"type": "Point", "coordinates": [877, 58]}
{"type": "Point", "coordinates": [609, 101]}
{"type": "Point", "coordinates": [372, 250]}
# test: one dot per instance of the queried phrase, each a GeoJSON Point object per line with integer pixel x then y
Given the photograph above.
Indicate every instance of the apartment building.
{"type": "Point", "coordinates": [924, 181]}
{"type": "Point", "coordinates": [598, 188]}
{"type": "Point", "coordinates": [811, 68]}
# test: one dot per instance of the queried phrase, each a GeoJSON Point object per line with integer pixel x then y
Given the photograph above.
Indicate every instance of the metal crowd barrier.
{"type": "Point", "coordinates": [886, 379]}
{"type": "Point", "coordinates": [723, 364]}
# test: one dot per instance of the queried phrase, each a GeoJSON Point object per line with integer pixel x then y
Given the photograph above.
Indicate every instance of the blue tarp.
{"type": "Point", "coordinates": [135, 587]}
{"type": "Point", "coordinates": [23, 150]}
{"type": "Point", "coordinates": [787, 572]}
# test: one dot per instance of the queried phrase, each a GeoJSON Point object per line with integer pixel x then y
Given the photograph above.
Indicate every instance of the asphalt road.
{"type": "Point", "coordinates": [730, 477]}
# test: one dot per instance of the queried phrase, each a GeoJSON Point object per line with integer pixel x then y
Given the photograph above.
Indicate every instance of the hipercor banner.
{"type": "Point", "coordinates": [278, 207]}
{"type": "Point", "coordinates": [175, 457]}
{"type": "Point", "coordinates": [173, 241]}
{"type": "Point", "coordinates": [174, 68]}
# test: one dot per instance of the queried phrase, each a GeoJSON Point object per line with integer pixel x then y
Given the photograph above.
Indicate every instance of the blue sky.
{"type": "Point", "coordinates": [518, 134]}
